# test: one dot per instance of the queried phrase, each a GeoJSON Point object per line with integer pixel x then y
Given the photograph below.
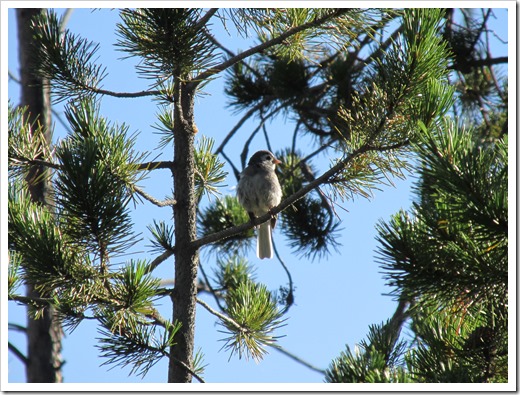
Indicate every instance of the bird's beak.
{"type": "Point", "coordinates": [277, 162]}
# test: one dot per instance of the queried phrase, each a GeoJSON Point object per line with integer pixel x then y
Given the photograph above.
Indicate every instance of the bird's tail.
{"type": "Point", "coordinates": [264, 247]}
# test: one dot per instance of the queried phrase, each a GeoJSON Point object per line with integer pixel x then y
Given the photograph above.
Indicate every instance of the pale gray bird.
{"type": "Point", "coordinates": [258, 192]}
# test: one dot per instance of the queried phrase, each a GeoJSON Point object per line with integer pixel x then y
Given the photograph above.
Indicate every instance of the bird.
{"type": "Point", "coordinates": [258, 191]}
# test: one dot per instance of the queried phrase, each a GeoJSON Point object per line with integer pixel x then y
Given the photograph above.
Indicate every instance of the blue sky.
{"type": "Point", "coordinates": [335, 299]}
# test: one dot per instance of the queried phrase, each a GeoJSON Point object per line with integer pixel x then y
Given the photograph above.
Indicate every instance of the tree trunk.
{"type": "Point", "coordinates": [186, 257]}
{"type": "Point", "coordinates": [44, 334]}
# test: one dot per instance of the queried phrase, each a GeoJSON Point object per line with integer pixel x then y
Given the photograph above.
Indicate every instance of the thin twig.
{"type": "Point", "coordinates": [61, 121]}
{"type": "Point", "coordinates": [263, 120]}
{"type": "Point", "coordinates": [239, 124]}
{"type": "Point", "coordinates": [210, 288]}
{"type": "Point", "coordinates": [266, 136]}
{"type": "Point", "coordinates": [379, 52]}
{"type": "Point", "coordinates": [295, 134]}
{"type": "Point", "coordinates": [158, 319]}
{"type": "Point", "coordinates": [230, 53]}
{"type": "Point", "coordinates": [290, 296]}
{"type": "Point", "coordinates": [309, 176]}
{"type": "Point", "coordinates": [236, 172]}
{"type": "Point", "coordinates": [296, 358]}
{"type": "Point", "coordinates": [245, 150]}
{"type": "Point", "coordinates": [481, 62]}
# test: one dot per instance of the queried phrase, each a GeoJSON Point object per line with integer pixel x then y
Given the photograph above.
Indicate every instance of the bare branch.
{"type": "Point", "coordinates": [17, 327]}
{"type": "Point", "coordinates": [481, 62]}
{"type": "Point", "coordinates": [158, 319]}
{"type": "Point", "coordinates": [209, 287]}
{"type": "Point", "coordinates": [296, 358]}
{"type": "Point", "coordinates": [151, 199]}
{"type": "Point", "coordinates": [236, 172]}
{"type": "Point", "coordinates": [163, 164]}
{"type": "Point", "coordinates": [160, 259]}
{"type": "Point", "coordinates": [122, 95]}
{"type": "Point", "coordinates": [261, 125]}
{"type": "Point", "coordinates": [13, 77]}
{"type": "Point", "coordinates": [289, 300]}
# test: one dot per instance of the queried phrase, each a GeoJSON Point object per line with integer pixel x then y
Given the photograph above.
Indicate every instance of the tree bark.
{"type": "Point", "coordinates": [186, 256]}
{"type": "Point", "coordinates": [44, 334]}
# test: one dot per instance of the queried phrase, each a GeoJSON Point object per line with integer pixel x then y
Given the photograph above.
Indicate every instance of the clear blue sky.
{"type": "Point", "coordinates": [335, 299]}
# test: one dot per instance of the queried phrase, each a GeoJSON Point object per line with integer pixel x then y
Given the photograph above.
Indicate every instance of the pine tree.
{"type": "Point", "coordinates": [446, 259]}
{"type": "Point", "coordinates": [364, 106]}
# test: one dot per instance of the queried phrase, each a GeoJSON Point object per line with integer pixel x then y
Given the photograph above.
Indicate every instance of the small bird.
{"type": "Point", "coordinates": [258, 192]}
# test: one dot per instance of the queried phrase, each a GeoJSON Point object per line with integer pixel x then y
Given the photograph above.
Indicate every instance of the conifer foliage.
{"type": "Point", "coordinates": [368, 107]}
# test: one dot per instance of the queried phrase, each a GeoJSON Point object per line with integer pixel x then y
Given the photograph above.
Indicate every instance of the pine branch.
{"type": "Point", "coordinates": [203, 20]}
{"type": "Point", "coordinates": [275, 346]}
{"type": "Point", "coordinates": [35, 162]}
{"type": "Point", "coordinates": [324, 178]}
{"type": "Point", "coordinates": [142, 166]}
{"type": "Point", "coordinates": [151, 199]}
{"type": "Point", "coordinates": [33, 300]}
{"type": "Point", "coordinates": [222, 316]}
{"type": "Point", "coordinates": [265, 45]}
